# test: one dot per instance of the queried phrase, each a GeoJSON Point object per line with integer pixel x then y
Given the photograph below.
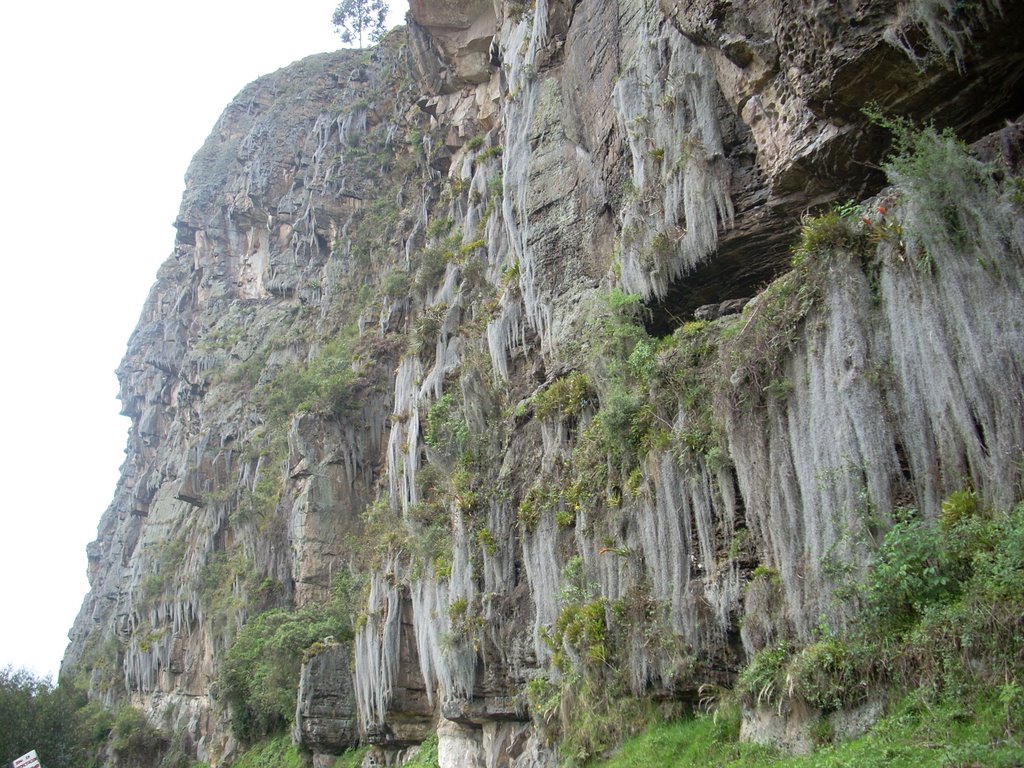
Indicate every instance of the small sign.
{"type": "Point", "coordinates": [31, 760]}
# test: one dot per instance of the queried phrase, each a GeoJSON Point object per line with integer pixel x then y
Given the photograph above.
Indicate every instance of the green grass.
{"type": "Point", "coordinates": [278, 752]}
{"type": "Point", "coordinates": [957, 732]}
{"type": "Point", "coordinates": [353, 758]}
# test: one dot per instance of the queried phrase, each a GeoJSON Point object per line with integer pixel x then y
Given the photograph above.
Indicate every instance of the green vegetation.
{"type": "Point", "coordinates": [763, 680]}
{"type": "Point", "coordinates": [357, 21]}
{"type": "Point", "coordinates": [56, 721]}
{"type": "Point", "coordinates": [948, 195]}
{"type": "Point", "coordinates": [517, 9]}
{"type": "Point", "coordinates": [447, 430]}
{"type": "Point", "coordinates": [68, 731]}
{"type": "Point", "coordinates": [278, 752]}
{"type": "Point", "coordinates": [167, 557]}
{"type": "Point", "coordinates": [260, 672]}
{"type": "Point", "coordinates": [225, 581]}
{"type": "Point", "coordinates": [324, 384]}
{"type": "Point", "coordinates": [396, 284]}
{"type": "Point", "coordinates": [588, 716]}
{"type": "Point", "coordinates": [426, 755]}
{"type": "Point", "coordinates": [489, 153]}
{"type": "Point", "coordinates": [134, 738]}
{"type": "Point", "coordinates": [353, 758]}
{"type": "Point", "coordinates": [940, 631]}
{"type": "Point", "coordinates": [566, 397]}
{"type": "Point", "coordinates": [917, 734]}
{"type": "Point", "coordinates": [590, 709]}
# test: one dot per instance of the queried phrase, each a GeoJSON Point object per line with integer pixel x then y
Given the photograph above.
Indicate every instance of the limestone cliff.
{"type": "Point", "coordinates": [445, 319]}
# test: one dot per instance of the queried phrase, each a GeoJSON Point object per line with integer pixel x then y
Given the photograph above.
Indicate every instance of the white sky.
{"type": "Point", "coordinates": [103, 105]}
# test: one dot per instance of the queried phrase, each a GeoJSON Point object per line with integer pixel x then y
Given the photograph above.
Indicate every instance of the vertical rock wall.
{"type": "Point", "coordinates": [398, 338]}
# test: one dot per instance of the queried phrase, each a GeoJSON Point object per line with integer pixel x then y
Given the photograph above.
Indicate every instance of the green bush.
{"type": "Point", "coordinates": [948, 195]}
{"type": "Point", "coordinates": [260, 672]}
{"type": "Point", "coordinates": [447, 430]}
{"type": "Point", "coordinates": [763, 680]}
{"type": "Point", "coordinates": [564, 398]}
{"type": "Point", "coordinates": [914, 569]}
{"type": "Point", "coordinates": [597, 716]}
{"type": "Point", "coordinates": [439, 228]}
{"type": "Point", "coordinates": [426, 755]}
{"type": "Point", "coordinates": [826, 675]}
{"type": "Point", "coordinates": [353, 758]}
{"type": "Point", "coordinates": [66, 730]}
{"type": "Point", "coordinates": [278, 752]}
{"type": "Point", "coordinates": [134, 738]}
{"type": "Point", "coordinates": [396, 284]}
{"type": "Point", "coordinates": [324, 384]}
{"type": "Point", "coordinates": [824, 234]}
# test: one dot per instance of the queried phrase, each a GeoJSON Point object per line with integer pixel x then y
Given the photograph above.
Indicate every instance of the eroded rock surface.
{"type": "Point", "coordinates": [397, 342]}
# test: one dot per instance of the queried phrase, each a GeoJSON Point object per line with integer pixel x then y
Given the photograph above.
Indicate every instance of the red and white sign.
{"type": "Point", "coordinates": [31, 760]}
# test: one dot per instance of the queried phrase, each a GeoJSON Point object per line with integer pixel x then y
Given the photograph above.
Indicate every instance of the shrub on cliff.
{"type": "Point", "coordinates": [260, 673]}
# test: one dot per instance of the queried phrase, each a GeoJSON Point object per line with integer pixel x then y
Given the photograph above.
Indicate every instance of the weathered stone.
{"type": "Point", "coordinates": [386, 262]}
{"type": "Point", "coordinates": [326, 720]}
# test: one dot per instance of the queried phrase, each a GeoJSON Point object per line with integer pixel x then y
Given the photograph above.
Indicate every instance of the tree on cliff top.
{"type": "Point", "coordinates": [358, 19]}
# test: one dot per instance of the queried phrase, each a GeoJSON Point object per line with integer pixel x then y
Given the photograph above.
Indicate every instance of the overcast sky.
{"type": "Point", "coordinates": [103, 105]}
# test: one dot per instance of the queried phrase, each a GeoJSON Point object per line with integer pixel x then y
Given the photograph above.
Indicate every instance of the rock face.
{"type": "Point", "coordinates": [325, 716]}
{"type": "Point", "coordinates": [409, 335]}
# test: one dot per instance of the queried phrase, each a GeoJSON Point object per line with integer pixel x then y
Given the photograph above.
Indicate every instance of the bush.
{"type": "Point", "coordinates": [396, 284]}
{"type": "Point", "coordinates": [324, 384]}
{"type": "Point", "coordinates": [949, 197]}
{"type": "Point", "coordinates": [825, 674]}
{"type": "Point", "coordinates": [426, 755]}
{"type": "Point", "coordinates": [56, 721]}
{"type": "Point", "coordinates": [447, 430]}
{"type": "Point", "coordinates": [915, 568]}
{"type": "Point", "coordinates": [260, 673]}
{"type": "Point", "coordinates": [763, 681]}
{"type": "Point", "coordinates": [566, 397]}
{"type": "Point", "coordinates": [134, 738]}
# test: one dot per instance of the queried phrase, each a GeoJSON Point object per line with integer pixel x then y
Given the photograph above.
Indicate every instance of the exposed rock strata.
{"type": "Point", "coordinates": [386, 261]}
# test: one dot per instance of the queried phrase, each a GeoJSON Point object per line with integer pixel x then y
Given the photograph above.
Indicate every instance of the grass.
{"type": "Point", "coordinates": [950, 734]}
{"type": "Point", "coordinates": [353, 758]}
{"type": "Point", "coordinates": [278, 752]}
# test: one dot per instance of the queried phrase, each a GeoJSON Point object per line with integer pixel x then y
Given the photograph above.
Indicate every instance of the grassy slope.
{"type": "Point", "coordinates": [948, 735]}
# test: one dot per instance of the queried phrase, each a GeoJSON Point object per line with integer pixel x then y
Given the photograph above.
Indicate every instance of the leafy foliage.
{"type": "Point", "coordinates": [566, 397]}
{"type": "Point", "coordinates": [134, 737]}
{"type": "Point", "coordinates": [357, 21]}
{"type": "Point", "coordinates": [426, 756]}
{"type": "Point", "coordinates": [56, 721]}
{"type": "Point", "coordinates": [915, 734]}
{"type": "Point", "coordinates": [947, 193]}
{"type": "Point", "coordinates": [940, 615]}
{"type": "Point", "coordinates": [763, 680]}
{"type": "Point", "coordinates": [278, 752]}
{"type": "Point", "coordinates": [260, 673]}
{"type": "Point", "coordinates": [447, 430]}
{"type": "Point", "coordinates": [325, 384]}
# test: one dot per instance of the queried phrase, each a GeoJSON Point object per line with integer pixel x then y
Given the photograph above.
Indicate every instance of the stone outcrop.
{"type": "Point", "coordinates": [398, 342]}
{"type": "Point", "coordinates": [325, 715]}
